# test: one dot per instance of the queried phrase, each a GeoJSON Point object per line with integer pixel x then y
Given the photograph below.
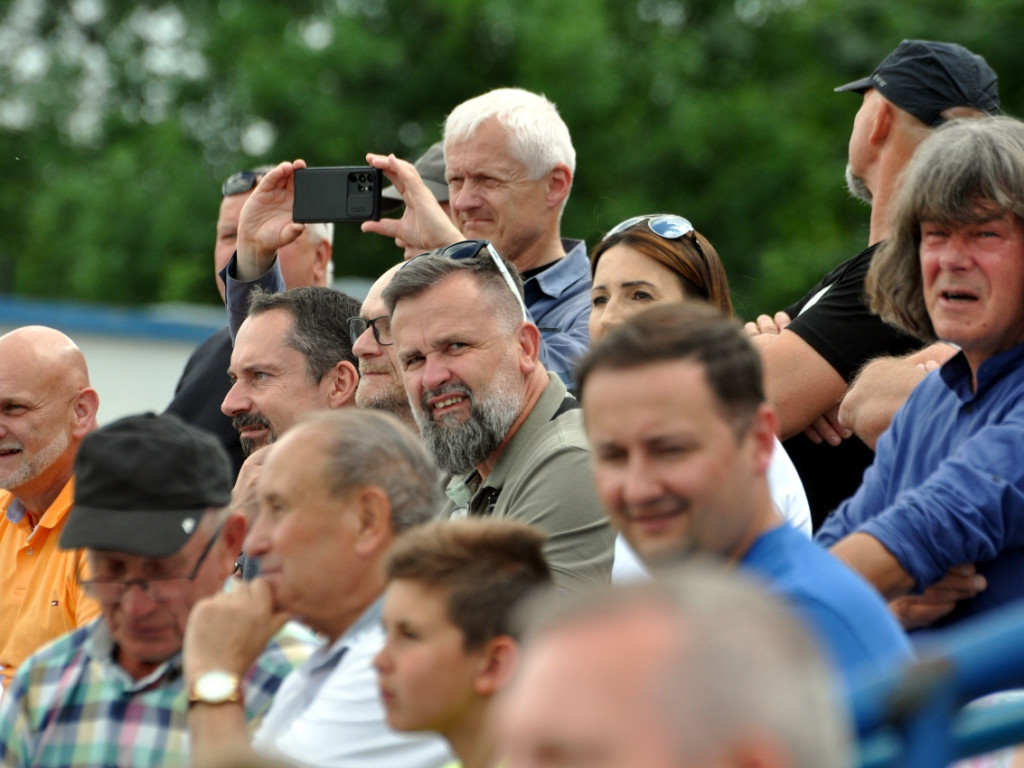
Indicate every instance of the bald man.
{"type": "Point", "coordinates": [46, 408]}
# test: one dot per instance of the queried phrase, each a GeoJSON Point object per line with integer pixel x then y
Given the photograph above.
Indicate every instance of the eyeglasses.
{"type": "Point", "coordinates": [469, 249]}
{"type": "Point", "coordinates": [240, 182]}
{"type": "Point", "coordinates": [666, 225]}
{"type": "Point", "coordinates": [381, 329]}
{"type": "Point", "coordinates": [160, 590]}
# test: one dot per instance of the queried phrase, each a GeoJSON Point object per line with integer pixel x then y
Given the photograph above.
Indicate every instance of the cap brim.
{"type": "Point", "coordinates": [437, 189]}
{"type": "Point", "coordinates": [134, 532]}
{"type": "Point", "coordinates": [857, 85]}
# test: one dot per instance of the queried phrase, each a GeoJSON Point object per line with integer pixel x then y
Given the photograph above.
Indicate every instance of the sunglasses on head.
{"type": "Point", "coordinates": [240, 182]}
{"type": "Point", "coordinates": [665, 225]}
{"type": "Point", "coordinates": [469, 249]}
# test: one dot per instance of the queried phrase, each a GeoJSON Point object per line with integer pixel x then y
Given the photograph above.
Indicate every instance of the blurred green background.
{"type": "Point", "coordinates": [119, 120]}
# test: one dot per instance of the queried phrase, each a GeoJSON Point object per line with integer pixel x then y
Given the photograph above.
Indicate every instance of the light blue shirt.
{"type": "Point", "coordinates": [559, 302]}
{"type": "Point", "coordinates": [328, 712]}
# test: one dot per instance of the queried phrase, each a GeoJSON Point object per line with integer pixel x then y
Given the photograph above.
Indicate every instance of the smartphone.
{"type": "Point", "coordinates": [339, 194]}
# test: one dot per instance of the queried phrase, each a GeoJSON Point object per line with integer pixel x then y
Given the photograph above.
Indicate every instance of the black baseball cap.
{"type": "Point", "coordinates": [926, 78]}
{"type": "Point", "coordinates": [142, 484]}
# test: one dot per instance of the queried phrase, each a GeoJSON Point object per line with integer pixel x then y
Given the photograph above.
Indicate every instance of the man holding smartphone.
{"type": "Point", "coordinates": [204, 382]}
{"type": "Point", "coordinates": [509, 162]}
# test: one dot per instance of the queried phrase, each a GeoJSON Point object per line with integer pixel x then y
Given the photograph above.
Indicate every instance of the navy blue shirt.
{"type": "Point", "coordinates": [947, 484]}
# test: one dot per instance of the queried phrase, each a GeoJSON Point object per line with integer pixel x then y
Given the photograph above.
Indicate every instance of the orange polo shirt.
{"type": "Point", "coordinates": [39, 594]}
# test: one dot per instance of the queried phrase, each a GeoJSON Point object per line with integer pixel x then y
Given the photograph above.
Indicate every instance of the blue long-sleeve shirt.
{"type": "Point", "coordinates": [947, 483]}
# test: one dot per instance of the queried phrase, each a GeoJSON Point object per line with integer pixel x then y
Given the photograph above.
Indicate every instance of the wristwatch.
{"type": "Point", "coordinates": [215, 687]}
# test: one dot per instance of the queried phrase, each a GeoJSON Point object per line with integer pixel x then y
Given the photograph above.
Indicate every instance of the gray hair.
{"type": "Point", "coordinates": [320, 230]}
{"type": "Point", "coordinates": [427, 270]}
{"type": "Point", "coordinates": [966, 172]}
{"type": "Point", "coordinates": [538, 136]}
{"type": "Point", "coordinates": [320, 324]}
{"type": "Point", "coordinates": [742, 663]}
{"type": "Point", "coordinates": [372, 448]}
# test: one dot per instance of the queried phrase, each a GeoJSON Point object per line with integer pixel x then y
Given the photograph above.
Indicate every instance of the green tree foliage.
{"type": "Point", "coordinates": [118, 119]}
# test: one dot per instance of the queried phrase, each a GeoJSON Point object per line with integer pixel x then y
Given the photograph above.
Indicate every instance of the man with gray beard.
{"type": "Point", "coordinates": [507, 431]}
{"type": "Point", "coordinates": [46, 408]}
{"type": "Point", "coordinates": [811, 360]}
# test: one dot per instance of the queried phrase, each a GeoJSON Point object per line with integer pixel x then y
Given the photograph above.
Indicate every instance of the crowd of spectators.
{"type": "Point", "coordinates": [398, 532]}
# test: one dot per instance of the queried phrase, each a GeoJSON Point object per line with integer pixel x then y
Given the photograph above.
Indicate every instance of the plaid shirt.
{"type": "Point", "coordinates": [71, 704]}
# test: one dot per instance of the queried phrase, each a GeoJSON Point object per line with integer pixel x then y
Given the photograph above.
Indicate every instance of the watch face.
{"type": "Point", "coordinates": [216, 686]}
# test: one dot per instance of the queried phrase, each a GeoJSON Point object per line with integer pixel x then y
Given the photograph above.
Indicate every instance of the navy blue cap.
{"type": "Point", "coordinates": [926, 78]}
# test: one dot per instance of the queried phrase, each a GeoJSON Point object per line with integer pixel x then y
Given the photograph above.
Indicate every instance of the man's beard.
{"type": "Point", "coordinates": [391, 399]}
{"type": "Point", "coordinates": [249, 446]}
{"type": "Point", "coordinates": [457, 447]}
{"type": "Point", "coordinates": [857, 186]}
{"type": "Point", "coordinates": [31, 468]}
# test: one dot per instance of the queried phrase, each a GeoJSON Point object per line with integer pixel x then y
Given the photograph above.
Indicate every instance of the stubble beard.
{"type": "Point", "coordinates": [391, 399]}
{"type": "Point", "coordinates": [31, 468]}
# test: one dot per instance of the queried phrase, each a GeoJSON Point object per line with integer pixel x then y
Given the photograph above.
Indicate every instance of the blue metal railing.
{"type": "Point", "coordinates": [916, 717]}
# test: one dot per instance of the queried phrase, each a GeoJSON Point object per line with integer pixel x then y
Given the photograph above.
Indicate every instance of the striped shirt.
{"type": "Point", "coordinates": [71, 704]}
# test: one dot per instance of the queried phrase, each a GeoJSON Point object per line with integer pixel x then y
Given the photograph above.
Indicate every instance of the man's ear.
{"type": "Point", "coordinates": [558, 186]}
{"type": "Point", "coordinates": [321, 260]}
{"type": "Point", "coordinates": [529, 347]}
{"type": "Point", "coordinates": [498, 662]}
{"type": "Point", "coordinates": [86, 405]}
{"type": "Point", "coordinates": [341, 382]}
{"type": "Point", "coordinates": [762, 432]}
{"type": "Point", "coordinates": [235, 527]}
{"type": "Point", "coordinates": [373, 530]}
{"type": "Point", "coordinates": [882, 124]}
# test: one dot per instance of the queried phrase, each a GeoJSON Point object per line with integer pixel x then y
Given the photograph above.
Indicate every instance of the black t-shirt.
{"type": "Point", "coordinates": [841, 328]}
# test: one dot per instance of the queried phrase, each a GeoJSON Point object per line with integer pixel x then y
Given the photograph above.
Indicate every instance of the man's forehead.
{"type": "Point", "coordinates": [660, 398]}
{"type": "Point", "coordinates": [487, 148]}
{"type": "Point", "coordinates": [454, 296]}
{"type": "Point", "coordinates": [230, 209]}
{"type": "Point", "coordinates": [262, 335]}
{"type": "Point", "coordinates": [299, 449]}
{"type": "Point", "coordinates": [688, 374]}
{"type": "Point", "coordinates": [28, 386]}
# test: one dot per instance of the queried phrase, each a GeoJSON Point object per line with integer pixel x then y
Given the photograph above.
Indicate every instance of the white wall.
{"type": "Point", "coordinates": [131, 375]}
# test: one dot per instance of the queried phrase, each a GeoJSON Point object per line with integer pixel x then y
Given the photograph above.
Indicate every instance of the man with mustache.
{"type": "Point", "coordinates": [204, 381]}
{"type": "Point", "coordinates": [292, 355]}
{"type": "Point", "coordinates": [502, 426]}
{"type": "Point", "coordinates": [681, 438]}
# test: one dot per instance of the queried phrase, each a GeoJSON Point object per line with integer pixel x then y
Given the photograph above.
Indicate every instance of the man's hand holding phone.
{"type": "Point", "coordinates": [424, 224]}
{"type": "Point", "coordinates": [265, 222]}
